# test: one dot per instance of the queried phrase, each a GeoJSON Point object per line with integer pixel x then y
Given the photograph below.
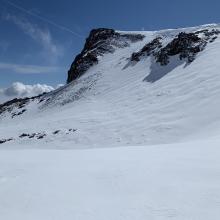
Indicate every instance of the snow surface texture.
{"type": "Point", "coordinates": [179, 182]}
{"type": "Point", "coordinates": [149, 175]}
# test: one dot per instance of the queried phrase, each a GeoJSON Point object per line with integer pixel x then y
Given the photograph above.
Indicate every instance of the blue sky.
{"type": "Point", "coordinates": [40, 38]}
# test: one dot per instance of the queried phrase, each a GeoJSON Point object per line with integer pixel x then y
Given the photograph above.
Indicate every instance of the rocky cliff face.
{"type": "Point", "coordinates": [99, 42]}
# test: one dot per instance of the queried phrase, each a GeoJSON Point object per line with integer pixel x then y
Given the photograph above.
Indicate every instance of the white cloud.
{"type": "Point", "coordinates": [19, 90]}
{"type": "Point", "coordinates": [42, 36]}
{"type": "Point", "coordinates": [29, 69]}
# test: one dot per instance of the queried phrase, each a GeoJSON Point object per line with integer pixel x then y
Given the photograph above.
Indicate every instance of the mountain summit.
{"type": "Point", "coordinates": [126, 88]}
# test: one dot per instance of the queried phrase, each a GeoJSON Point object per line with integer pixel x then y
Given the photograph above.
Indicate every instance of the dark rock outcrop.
{"type": "Point", "coordinates": [183, 48]}
{"type": "Point", "coordinates": [184, 45]}
{"type": "Point", "coordinates": [56, 132]}
{"type": "Point", "coordinates": [18, 113]}
{"type": "Point", "coordinates": [99, 42]}
{"type": "Point", "coordinates": [18, 103]}
{"type": "Point", "coordinates": [148, 49]}
{"type": "Point", "coordinates": [2, 141]}
{"type": "Point", "coordinates": [24, 135]}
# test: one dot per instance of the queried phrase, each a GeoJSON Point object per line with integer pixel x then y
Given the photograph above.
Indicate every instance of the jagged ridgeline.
{"type": "Point", "coordinates": [102, 41]}
{"type": "Point", "coordinates": [185, 45]}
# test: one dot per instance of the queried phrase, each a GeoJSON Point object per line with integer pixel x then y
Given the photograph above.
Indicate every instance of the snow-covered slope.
{"type": "Point", "coordinates": [119, 101]}
{"type": "Point", "coordinates": [178, 182]}
{"type": "Point", "coordinates": [141, 96]}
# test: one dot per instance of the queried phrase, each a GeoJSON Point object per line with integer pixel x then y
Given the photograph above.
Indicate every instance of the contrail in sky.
{"type": "Point", "coordinates": [43, 18]}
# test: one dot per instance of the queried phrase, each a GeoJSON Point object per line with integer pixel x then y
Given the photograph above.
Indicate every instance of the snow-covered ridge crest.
{"type": "Point", "coordinates": [102, 41]}
{"type": "Point", "coordinates": [145, 88]}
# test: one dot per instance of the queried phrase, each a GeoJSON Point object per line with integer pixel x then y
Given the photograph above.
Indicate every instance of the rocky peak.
{"type": "Point", "coordinates": [99, 42]}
